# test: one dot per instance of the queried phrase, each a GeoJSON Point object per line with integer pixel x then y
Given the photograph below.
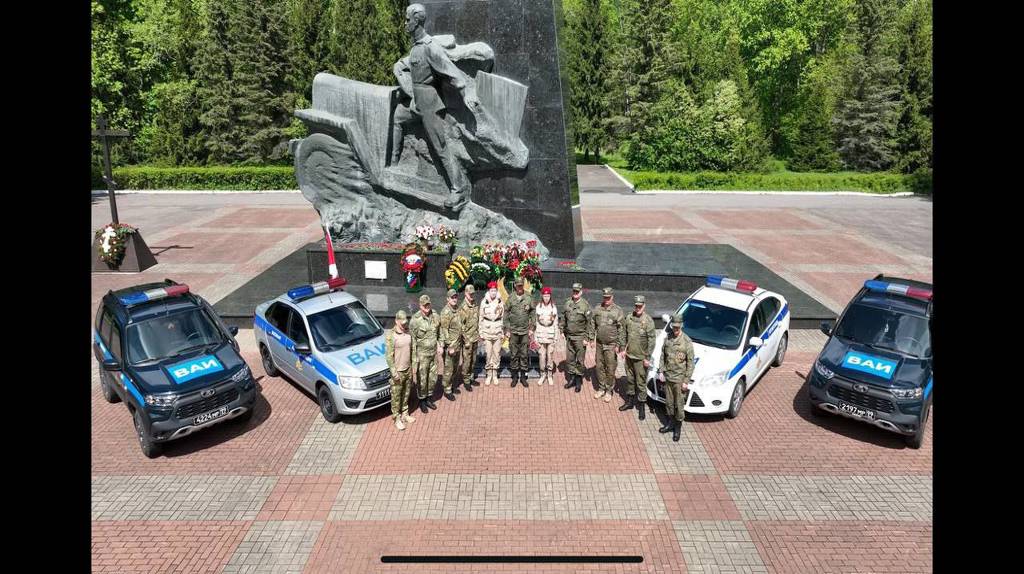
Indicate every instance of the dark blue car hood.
{"type": "Point", "coordinates": [189, 372]}
{"type": "Point", "coordinates": [877, 367]}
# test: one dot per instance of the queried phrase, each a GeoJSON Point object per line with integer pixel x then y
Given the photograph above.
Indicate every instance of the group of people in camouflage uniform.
{"type": "Point", "coordinates": [413, 347]}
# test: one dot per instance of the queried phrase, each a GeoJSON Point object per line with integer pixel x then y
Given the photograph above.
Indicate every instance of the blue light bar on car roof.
{"type": "Point", "coordinates": [898, 289]}
{"type": "Point", "coordinates": [153, 294]}
{"type": "Point", "coordinates": [734, 284]}
{"type": "Point", "coordinates": [317, 288]}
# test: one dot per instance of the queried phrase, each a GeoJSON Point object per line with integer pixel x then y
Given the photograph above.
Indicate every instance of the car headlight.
{"type": "Point", "coordinates": [823, 370]}
{"type": "Point", "coordinates": [352, 383]}
{"type": "Point", "coordinates": [715, 379]}
{"type": "Point", "coordinates": [242, 374]}
{"type": "Point", "coordinates": [160, 400]}
{"type": "Point", "coordinates": [907, 393]}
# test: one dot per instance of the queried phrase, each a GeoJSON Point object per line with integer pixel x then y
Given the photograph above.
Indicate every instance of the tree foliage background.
{"type": "Point", "coordinates": [683, 85]}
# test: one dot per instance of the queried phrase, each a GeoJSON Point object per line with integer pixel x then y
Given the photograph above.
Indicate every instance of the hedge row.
{"type": "Point", "coordinates": [243, 178]}
{"type": "Point", "coordinates": [781, 181]}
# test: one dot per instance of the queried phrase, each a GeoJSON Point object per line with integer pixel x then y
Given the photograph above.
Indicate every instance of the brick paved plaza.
{"type": "Point", "coordinates": [524, 471]}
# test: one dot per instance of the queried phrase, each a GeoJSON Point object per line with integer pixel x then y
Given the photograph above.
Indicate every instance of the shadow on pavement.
{"type": "Point", "coordinates": [222, 432]}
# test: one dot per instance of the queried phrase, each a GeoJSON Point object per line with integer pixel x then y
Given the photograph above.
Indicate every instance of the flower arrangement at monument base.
{"type": "Point", "coordinates": [509, 262]}
{"type": "Point", "coordinates": [114, 242]}
{"type": "Point", "coordinates": [412, 265]}
{"type": "Point", "coordinates": [457, 273]}
{"type": "Point", "coordinates": [425, 235]}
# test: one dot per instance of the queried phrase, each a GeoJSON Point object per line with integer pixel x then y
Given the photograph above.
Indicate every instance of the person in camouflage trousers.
{"type": "Point", "coordinates": [519, 323]}
{"type": "Point", "coordinates": [640, 337]}
{"type": "Point", "coordinates": [398, 353]}
{"type": "Point", "coordinates": [449, 341]}
{"type": "Point", "coordinates": [575, 323]}
{"type": "Point", "coordinates": [467, 325]}
{"type": "Point", "coordinates": [608, 322]}
{"type": "Point", "coordinates": [424, 328]}
{"type": "Point", "coordinates": [677, 365]}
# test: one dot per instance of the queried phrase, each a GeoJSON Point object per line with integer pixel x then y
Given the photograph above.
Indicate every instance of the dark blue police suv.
{"type": "Point", "coordinates": [165, 353]}
{"type": "Point", "coordinates": [877, 364]}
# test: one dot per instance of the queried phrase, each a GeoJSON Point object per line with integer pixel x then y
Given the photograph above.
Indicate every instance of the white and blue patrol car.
{"type": "Point", "coordinates": [327, 342]}
{"type": "Point", "coordinates": [738, 330]}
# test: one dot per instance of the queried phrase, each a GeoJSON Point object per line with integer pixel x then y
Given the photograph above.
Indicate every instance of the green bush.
{"type": "Point", "coordinates": [782, 181]}
{"type": "Point", "coordinates": [217, 177]}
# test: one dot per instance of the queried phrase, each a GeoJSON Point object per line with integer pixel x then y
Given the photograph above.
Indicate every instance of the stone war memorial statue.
{"type": "Point", "coordinates": [381, 160]}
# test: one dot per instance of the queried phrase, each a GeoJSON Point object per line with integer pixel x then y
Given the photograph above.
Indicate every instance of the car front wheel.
{"type": "Point", "coordinates": [737, 399]}
{"type": "Point", "coordinates": [327, 407]}
{"type": "Point", "coordinates": [149, 448]}
{"type": "Point", "coordinates": [108, 392]}
{"type": "Point", "coordinates": [915, 440]}
{"type": "Point", "coordinates": [268, 362]}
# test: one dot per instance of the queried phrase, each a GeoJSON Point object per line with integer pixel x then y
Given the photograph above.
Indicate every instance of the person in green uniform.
{"type": "Point", "coordinates": [424, 328]}
{"type": "Point", "coordinates": [677, 365]}
{"type": "Point", "coordinates": [608, 322]}
{"type": "Point", "coordinates": [448, 339]}
{"type": "Point", "coordinates": [519, 322]}
{"type": "Point", "coordinates": [640, 336]}
{"type": "Point", "coordinates": [398, 353]}
{"type": "Point", "coordinates": [575, 323]}
{"type": "Point", "coordinates": [467, 325]}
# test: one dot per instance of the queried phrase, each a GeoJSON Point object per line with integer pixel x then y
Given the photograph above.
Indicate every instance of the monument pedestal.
{"type": "Point", "coordinates": [137, 256]}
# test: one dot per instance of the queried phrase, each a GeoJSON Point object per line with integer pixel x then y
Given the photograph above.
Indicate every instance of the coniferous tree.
{"type": "Point", "coordinates": [309, 27]}
{"type": "Point", "coordinates": [866, 117]}
{"type": "Point", "coordinates": [643, 60]}
{"type": "Point", "coordinates": [914, 128]}
{"type": "Point", "coordinates": [367, 38]}
{"type": "Point", "coordinates": [588, 63]}
{"type": "Point", "coordinates": [216, 88]}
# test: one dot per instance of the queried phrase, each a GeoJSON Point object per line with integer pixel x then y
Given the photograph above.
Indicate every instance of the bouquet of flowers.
{"type": "Point", "coordinates": [446, 234]}
{"type": "Point", "coordinates": [457, 273]}
{"type": "Point", "coordinates": [528, 266]}
{"type": "Point", "coordinates": [424, 233]}
{"type": "Point", "coordinates": [114, 239]}
{"type": "Point", "coordinates": [412, 265]}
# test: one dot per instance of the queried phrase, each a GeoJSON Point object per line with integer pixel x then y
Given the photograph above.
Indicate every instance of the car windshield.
{"type": "Point", "coordinates": [711, 324]}
{"type": "Point", "coordinates": [171, 335]}
{"type": "Point", "coordinates": [886, 329]}
{"type": "Point", "coordinates": [340, 327]}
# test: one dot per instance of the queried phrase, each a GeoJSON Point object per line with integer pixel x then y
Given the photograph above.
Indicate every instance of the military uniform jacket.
{"type": "Point", "coordinates": [389, 347]}
{"type": "Point", "coordinates": [677, 358]}
{"type": "Point", "coordinates": [446, 333]}
{"type": "Point", "coordinates": [467, 323]}
{"type": "Point", "coordinates": [519, 318]}
{"type": "Point", "coordinates": [609, 325]}
{"type": "Point", "coordinates": [576, 319]}
{"type": "Point", "coordinates": [640, 336]}
{"type": "Point", "coordinates": [424, 331]}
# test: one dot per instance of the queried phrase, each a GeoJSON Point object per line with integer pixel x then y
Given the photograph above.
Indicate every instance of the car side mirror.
{"type": "Point", "coordinates": [111, 365]}
{"type": "Point", "coordinates": [665, 318]}
{"type": "Point", "coordinates": [826, 327]}
{"type": "Point", "coordinates": [302, 348]}
{"type": "Point", "coordinates": [233, 330]}
{"type": "Point", "coordinates": [755, 342]}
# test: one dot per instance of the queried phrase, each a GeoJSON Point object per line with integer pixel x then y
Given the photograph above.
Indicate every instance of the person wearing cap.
{"type": "Point", "coordinates": [398, 353]}
{"type": "Point", "coordinates": [492, 315]}
{"type": "Point", "coordinates": [575, 323]}
{"type": "Point", "coordinates": [519, 323]}
{"type": "Point", "coordinates": [640, 337]}
{"type": "Point", "coordinates": [609, 328]}
{"type": "Point", "coordinates": [467, 326]}
{"type": "Point", "coordinates": [544, 332]}
{"type": "Point", "coordinates": [677, 366]}
{"type": "Point", "coordinates": [424, 327]}
{"type": "Point", "coordinates": [449, 342]}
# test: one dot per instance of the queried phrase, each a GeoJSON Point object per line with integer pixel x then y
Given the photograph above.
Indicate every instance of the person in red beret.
{"type": "Point", "coordinates": [544, 335]}
{"type": "Point", "coordinates": [492, 316]}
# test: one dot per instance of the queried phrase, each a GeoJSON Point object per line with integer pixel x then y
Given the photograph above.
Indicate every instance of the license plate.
{"type": "Point", "coordinates": [863, 413]}
{"type": "Point", "coordinates": [383, 393]}
{"type": "Point", "coordinates": [207, 417]}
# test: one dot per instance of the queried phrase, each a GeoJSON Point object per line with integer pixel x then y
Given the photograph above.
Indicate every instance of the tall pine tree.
{"type": "Point", "coordinates": [914, 128]}
{"type": "Point", "coordinates": [216, 88]}
{"type": "Point", "coordinates": [587, 40]}
{"type": "Point", "coordinates": [368, 37]}
{"type": "Point", "coordinates": [865, 120]}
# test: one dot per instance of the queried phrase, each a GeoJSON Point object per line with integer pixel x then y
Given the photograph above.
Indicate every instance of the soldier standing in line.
{"type": "Point", "coordinates": [609, 327]}
{"type": "Point", "coordinates": [449, 341]}
{"type": "Point", "coordinates": [467, 325]}
{"type": "Point", "coordinates": [677, 365]}
{"type": "Point", "coordinates": [545, 331]}
{"type": "Point", "coordinates": [575, 323]}
{"type": "Point", "coordinates": [492, 312]}
{"type": "Point", "coordinates": [640, 336]}
{"type": "Point", "coordinates": [398, 353]}
{"type": "Point", "coordinates": [424, 329]}
{"type": "Point", "coordinates": [519, 322]}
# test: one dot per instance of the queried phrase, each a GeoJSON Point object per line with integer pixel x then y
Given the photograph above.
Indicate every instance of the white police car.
{"type": "Point", "coordinates": [738, 330]}
{"type": "Point", "coordinates": [325, 340]}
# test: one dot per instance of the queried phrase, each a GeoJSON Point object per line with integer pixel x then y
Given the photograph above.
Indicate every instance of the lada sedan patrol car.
{"type": "Point", "coordinates": [326, 341]}
{"type": "Point", "coordinates": [165, 353]}
{"type": "Point", "coordinates": [877, 364]}
{"type": "Point", "coordinates": [738, 330]}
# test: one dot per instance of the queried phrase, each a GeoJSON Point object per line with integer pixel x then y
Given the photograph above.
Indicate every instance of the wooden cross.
{"type": "Point", "coordinates": [105, 134]}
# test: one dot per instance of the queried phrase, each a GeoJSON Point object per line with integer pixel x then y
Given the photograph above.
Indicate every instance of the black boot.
{"type": "Point", "coordinates": [515, 377]}
{"type": "Point", "coordinates": [640, 411]}
{"type": "Point", "coordinates": [570, 381]}
{"type": "Point", "coordinates": [449, 396]}
{"type": "Point", "coordinates": [630, 403]}
{"type": "Point", "coordinates": [466, 385]}
{"type": "Point", "coordinates": [522, 379]}
{"type": "Point", "coordinates": [669, 426]}
{"type": "Point", "coordinates": [675, 431]}
{"type": "Point", "coordinates": [423, 406]}
{"type": "Point", "coordinates": [430, 403]}
{"type": "Point", "coordinates": [579, 382]}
